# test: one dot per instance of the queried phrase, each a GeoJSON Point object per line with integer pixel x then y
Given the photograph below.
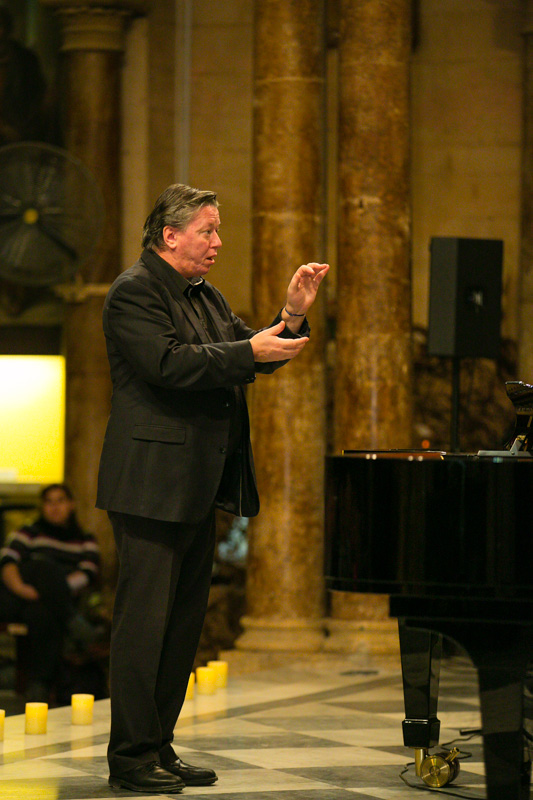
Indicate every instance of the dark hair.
{"type": "Point", "coordinates": [176, 206]}
{"type": "Point", "coordinates": [63, 486]}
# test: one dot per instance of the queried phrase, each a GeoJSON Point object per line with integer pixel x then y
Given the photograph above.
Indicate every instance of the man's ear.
{"type": "Point", "coordinates": [170, 237]}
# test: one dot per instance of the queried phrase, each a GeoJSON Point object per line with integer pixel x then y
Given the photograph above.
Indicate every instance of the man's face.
{"type": "Point", "coordinates": [193, 251]}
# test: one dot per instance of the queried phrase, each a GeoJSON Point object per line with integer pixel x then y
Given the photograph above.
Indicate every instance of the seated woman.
{"type": "Point", "coordinates": [43, 568]}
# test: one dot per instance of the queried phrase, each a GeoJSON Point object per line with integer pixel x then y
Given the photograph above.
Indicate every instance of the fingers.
{"type": "Point", "coordinates": [268, 346]}
{"type": "Point", "coordinates": [291, 347]}
{"type": "Point", "coordinates": [283, 345]}
{"type": "Point", "coordinates": [316, 272]}
{"type": "Point", "coordinates": [321, 274]}
{"type": "Point", "coordinates": [313, 268]}
{"type": "Point", "coordinates": [306, 271]}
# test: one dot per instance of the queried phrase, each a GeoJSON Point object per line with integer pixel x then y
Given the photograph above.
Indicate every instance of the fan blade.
{"type": "Point", "coordinates": [55, 237]}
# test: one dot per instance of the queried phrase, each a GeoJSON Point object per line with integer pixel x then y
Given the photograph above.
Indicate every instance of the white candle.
{"type": "Point", "coordinates": [36, 717]}
{"type": "Point", "coordinates": [82, 709]}
{"type": "Point", "coordinates": [205, 680]}
{"type": "Point", "coordinates": [190, 687]}
{"type": "Point", "coordinates": [221, 672]}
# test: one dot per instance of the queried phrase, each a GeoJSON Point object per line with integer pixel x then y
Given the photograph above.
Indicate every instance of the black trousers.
{"type": "Point", "coordinates": [161, 598]}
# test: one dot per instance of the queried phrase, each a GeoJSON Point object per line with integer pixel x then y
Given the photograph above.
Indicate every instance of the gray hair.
{"type": "Point", "coordinates": [176, 206]}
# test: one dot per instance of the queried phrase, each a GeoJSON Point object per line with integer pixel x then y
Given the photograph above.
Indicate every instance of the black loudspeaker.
{"type": "Point", "coordinates": [465, 297]}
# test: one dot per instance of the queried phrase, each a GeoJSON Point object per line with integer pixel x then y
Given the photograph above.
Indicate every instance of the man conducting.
{"type": "Point", "coordinates": [177, 445]}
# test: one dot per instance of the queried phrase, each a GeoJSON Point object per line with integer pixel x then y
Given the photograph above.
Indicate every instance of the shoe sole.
{"type": "Point", "coordinates": [116, 783]}
{"type": "Point", "coordinates": [201, 782]}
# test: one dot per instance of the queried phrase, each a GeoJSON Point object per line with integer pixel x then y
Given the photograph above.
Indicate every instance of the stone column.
{"type": "Point", "coordinates": [525, 342]}
{"type": "Point", "coordinates": [373, 397]}
{"type": "Point", "coordinates": [92, 45]}
{"type": "Point", "coordinates": [284, 592]}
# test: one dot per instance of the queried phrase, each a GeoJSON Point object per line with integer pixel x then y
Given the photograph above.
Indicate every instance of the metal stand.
{"type": "Point", "coordinates": [456, 398]}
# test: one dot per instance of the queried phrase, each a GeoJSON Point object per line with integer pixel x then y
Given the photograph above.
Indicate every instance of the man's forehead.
{"type": "Point", "coordinates": [207, 214]}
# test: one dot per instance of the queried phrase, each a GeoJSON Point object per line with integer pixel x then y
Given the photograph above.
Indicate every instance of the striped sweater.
{"type": "Point", "coordinates": [70, 547]}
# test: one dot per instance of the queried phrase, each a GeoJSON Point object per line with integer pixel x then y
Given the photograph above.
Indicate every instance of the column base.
{"type": "Point", "coordinates": [360, 624]}
{"type": "Point", "coordinates": [364, 637]}
{"type": "Point", "coordinates": [248, 662]}
{"type": "Point", "coordinates": [281, 635]}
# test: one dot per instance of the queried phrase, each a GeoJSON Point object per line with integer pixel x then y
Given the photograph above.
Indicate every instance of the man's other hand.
{"type": "Point", "coordinates": [267, 345]}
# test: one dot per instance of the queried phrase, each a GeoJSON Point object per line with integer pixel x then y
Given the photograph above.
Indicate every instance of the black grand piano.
{"type": "Point", "coordinates": [450, 538]}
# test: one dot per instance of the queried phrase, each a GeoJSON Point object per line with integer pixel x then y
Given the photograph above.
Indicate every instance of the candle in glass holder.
{"type": "Point", "coordinates": [221, 672]}
{"type": "Point", "coordinates": [205, 680]}
{"type": "Point", "coordinates": [82, 709]}
{"type": "Point", "coordinates": [190, 687]}
{"type": "Point", "coordinates": [36, 717]}
{"type": "Point", "coordinates": [2, 720]}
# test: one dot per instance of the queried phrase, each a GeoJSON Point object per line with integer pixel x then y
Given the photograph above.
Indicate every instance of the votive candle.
{"type": "Point", "coordinates": [82, 709]}
{"type": "Point", "coordinates": [36, 717]}
{"type": "Point", "coordinates": [205, 680]}
{"type": "Point", "coordinates": [190, 687]}
{"type": "Point", "coordinates": [221, 672]}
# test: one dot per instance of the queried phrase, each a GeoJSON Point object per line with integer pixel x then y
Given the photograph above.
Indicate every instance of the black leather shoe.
{"type": "Point", "coordinates": [192, 776]}
{"type": "Point", "coordinates": [149, 778]}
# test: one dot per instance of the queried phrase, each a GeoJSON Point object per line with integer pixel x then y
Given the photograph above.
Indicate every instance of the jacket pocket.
{"type": "Point", "coordinates": [159, 433]}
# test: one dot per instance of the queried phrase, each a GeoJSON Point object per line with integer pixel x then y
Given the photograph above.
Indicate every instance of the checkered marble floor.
{"type": "Point", "coordinates": [330, 730]}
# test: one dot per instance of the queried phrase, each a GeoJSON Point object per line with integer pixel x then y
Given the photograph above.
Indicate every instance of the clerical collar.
{"type": "Point", "coordinates": [195, 287]}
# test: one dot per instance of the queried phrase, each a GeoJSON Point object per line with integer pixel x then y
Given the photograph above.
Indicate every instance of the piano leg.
{"type": "Point", "coordinates": [500, 652]}
{"type": "Point", "coordinates": [502, 705]}
{"type": "Point", "coordinates": [420, 653]}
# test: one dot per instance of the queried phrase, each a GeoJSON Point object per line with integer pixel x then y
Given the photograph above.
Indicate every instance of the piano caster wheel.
{"type": "Point", "coordinates": [439, 769]}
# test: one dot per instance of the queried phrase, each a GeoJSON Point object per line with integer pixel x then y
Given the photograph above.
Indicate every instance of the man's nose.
{"type": "Point", "coordinates": [216, 241]}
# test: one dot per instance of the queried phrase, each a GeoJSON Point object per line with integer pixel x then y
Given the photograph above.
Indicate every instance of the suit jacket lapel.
{"type": "Point", "coordinates": [156, 265]}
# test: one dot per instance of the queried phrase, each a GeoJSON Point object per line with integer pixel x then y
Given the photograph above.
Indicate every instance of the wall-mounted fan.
{"type": "Point", "coordinates": [51, 214]}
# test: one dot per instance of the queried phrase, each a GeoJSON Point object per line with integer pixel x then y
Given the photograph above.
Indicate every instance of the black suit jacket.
{"type": "Point", "coordinates": [165, 447]}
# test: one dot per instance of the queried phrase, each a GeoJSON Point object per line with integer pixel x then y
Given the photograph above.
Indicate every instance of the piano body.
{"type": "Point", "coordinates": [450, 538]}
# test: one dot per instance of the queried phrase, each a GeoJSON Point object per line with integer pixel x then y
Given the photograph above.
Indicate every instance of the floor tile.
{"type": "Point", "coordinates": [327, 731]}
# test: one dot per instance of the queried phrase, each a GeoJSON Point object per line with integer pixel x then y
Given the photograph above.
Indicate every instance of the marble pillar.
{"type": "Point", "coordinates": [92, 41]}
{"type": "Point", "coordinates": [525, 305]}
{"type": "Point", "coordinates": [373, 395]}
{"type": "Point", "coordinates": [284, 592]}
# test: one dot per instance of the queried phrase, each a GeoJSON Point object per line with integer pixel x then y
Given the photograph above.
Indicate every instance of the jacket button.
{"type": "Point", "coordinates": [223, 450]}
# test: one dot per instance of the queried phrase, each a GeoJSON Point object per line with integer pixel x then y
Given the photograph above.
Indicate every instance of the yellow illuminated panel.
{"type": "Point", "coordinates": [32, 419]}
